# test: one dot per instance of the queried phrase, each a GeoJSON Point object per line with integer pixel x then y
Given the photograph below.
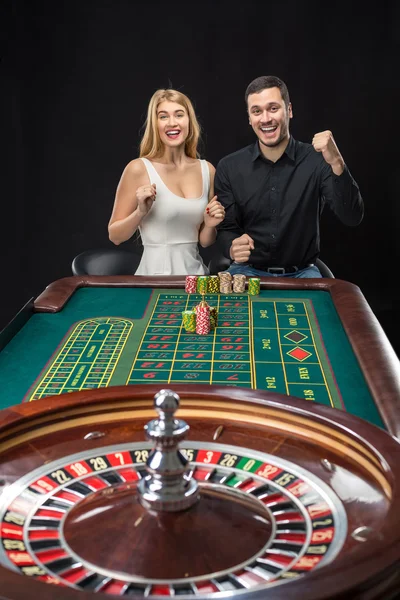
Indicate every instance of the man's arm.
{"type": "Point", "coordinates": [338, 187]}
{"type": "Point", "coordinates": [229, 229]}
{"type": "Point", "coordinates": [343, 196]}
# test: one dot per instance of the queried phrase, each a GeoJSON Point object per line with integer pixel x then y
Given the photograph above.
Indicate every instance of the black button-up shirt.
{"type": "Point", "coordinates": [279, 204]}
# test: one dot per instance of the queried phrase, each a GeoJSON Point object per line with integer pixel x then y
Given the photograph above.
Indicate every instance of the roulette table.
{"type": "Point", "coordinates": [260, 480]}
{"type": "Point", "coordinates": [313, 339]}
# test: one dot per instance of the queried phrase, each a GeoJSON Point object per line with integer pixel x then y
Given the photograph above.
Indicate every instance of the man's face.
{"type": "Point", "coordinates": [269, 116]}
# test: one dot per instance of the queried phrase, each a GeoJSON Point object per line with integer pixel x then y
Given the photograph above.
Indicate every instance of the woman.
{"type": "Point", "coordinates": [168, 193]}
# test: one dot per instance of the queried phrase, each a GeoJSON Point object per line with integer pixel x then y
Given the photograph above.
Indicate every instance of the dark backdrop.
{"type": "Point", "coordinates": [77, 77]}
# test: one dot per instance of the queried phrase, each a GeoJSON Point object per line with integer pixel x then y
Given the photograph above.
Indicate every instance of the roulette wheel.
{"type": "Point", "coordinates": [195, 492]}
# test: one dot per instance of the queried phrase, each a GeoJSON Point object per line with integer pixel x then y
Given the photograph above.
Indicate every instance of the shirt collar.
{"type": "Point", "coordinates": [290, 150]}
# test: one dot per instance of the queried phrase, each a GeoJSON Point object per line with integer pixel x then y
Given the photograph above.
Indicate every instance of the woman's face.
{"type": "Point", "coordinates": [173, 123]}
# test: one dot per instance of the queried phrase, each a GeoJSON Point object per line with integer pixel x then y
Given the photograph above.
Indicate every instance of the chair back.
{"type": "Point", "coordinates": [324, 269]}
{"type": "Point", "coordinates": [105, 261]}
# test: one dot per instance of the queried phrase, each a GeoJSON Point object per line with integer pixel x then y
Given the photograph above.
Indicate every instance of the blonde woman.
{"type": "Point", "coordinates": [168, 193]}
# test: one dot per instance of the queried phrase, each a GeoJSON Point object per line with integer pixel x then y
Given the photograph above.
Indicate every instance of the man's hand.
{"type": "Point", "coordinates": [241, 248]}
{"type": "Point", "coordinates": [324, 142]}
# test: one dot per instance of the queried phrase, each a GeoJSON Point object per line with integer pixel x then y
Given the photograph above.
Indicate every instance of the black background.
{"type": "Point", "coordinates": [76, 81]}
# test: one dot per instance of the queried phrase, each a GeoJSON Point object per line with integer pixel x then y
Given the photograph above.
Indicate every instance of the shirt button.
{"type": "Point", "coordinates": [273, 189]}
{"type": "Point", "coordinates": [273, 236]}
{"type": "Point", "coordinates": [273, 211]}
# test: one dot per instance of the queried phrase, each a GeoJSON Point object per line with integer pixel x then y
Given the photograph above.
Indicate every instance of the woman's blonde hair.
{"type": "Point", "coordinates": [151, 145]}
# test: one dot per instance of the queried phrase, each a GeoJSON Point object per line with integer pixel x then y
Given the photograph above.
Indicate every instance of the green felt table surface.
{"type": "Point", "coordinates": [290, 341]}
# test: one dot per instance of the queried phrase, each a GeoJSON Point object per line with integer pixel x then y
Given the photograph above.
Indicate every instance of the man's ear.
{"type": "Point", "coordinates": [290, 110]}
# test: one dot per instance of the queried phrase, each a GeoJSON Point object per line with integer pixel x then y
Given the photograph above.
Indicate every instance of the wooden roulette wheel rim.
{"type": "Point", "coordinates": [334, 447]}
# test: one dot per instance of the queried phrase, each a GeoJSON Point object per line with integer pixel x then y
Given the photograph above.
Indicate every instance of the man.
{"type": "Point", "coordinates": [274, 191]}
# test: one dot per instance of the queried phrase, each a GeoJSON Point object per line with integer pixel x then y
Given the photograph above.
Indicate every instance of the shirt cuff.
{"type": "Point", "coordinates": [342, 179]}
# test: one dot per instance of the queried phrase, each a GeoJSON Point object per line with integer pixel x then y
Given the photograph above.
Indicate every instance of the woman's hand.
{"type": "Point", "coordinates": [145, 195]}
{"type": "Point", "coordinates": [214, 213]}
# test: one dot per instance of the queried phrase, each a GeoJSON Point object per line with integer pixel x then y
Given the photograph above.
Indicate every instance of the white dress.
{"type": "Point", "coordinates": [170, 230]}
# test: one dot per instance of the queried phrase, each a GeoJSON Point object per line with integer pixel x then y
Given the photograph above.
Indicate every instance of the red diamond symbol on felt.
{"type": "Point", "coordinates": [299, 354]}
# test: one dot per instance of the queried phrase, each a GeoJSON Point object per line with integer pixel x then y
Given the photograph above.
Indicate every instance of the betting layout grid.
{"type": "Point", "coordinates": [167, 353]}
{"type": "Point", "coordinates": [260, 343]}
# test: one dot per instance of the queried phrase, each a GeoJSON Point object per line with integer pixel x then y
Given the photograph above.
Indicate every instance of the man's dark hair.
{"type": "Point", "coordinates": [264, 82]}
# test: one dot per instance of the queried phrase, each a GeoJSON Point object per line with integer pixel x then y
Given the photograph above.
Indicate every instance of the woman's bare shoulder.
{"type": "Point", "coordinates": [211, 168]}
{"type": "Point", "coordinates": [136, 167]}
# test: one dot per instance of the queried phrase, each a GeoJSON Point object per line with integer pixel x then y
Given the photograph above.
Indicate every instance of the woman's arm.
{"type": "Point", "coordinates": [213, 215]}
{"type": "Point", "coordinates": [133, 200]}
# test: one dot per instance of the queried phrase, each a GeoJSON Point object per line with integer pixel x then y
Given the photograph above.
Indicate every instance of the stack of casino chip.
{"type": "Point", "coordinates": [191, 284]}
{"type": "Point", "coordinates": [254, 286]}
{"type": "Point", "coordinates": [213, 317]}
{"type": "Point", "coordinates": [239, 283]}
{"type": "Point", "coordinates": [189, 320]}
{"type": "Point", "coordinates": [202, 284]}
{"type": "Point", "coordinates": [225, 282]}
{"type": "Point", "coordinates": [213, 284]}
{"type": "Point", "coordinates": [203, 324]}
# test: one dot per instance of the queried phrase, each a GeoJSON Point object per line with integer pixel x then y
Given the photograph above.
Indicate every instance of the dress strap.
{"type": "Point", "coordinates": [152, 172]}
{"type": "Point", "coordinates": [205, 172]}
